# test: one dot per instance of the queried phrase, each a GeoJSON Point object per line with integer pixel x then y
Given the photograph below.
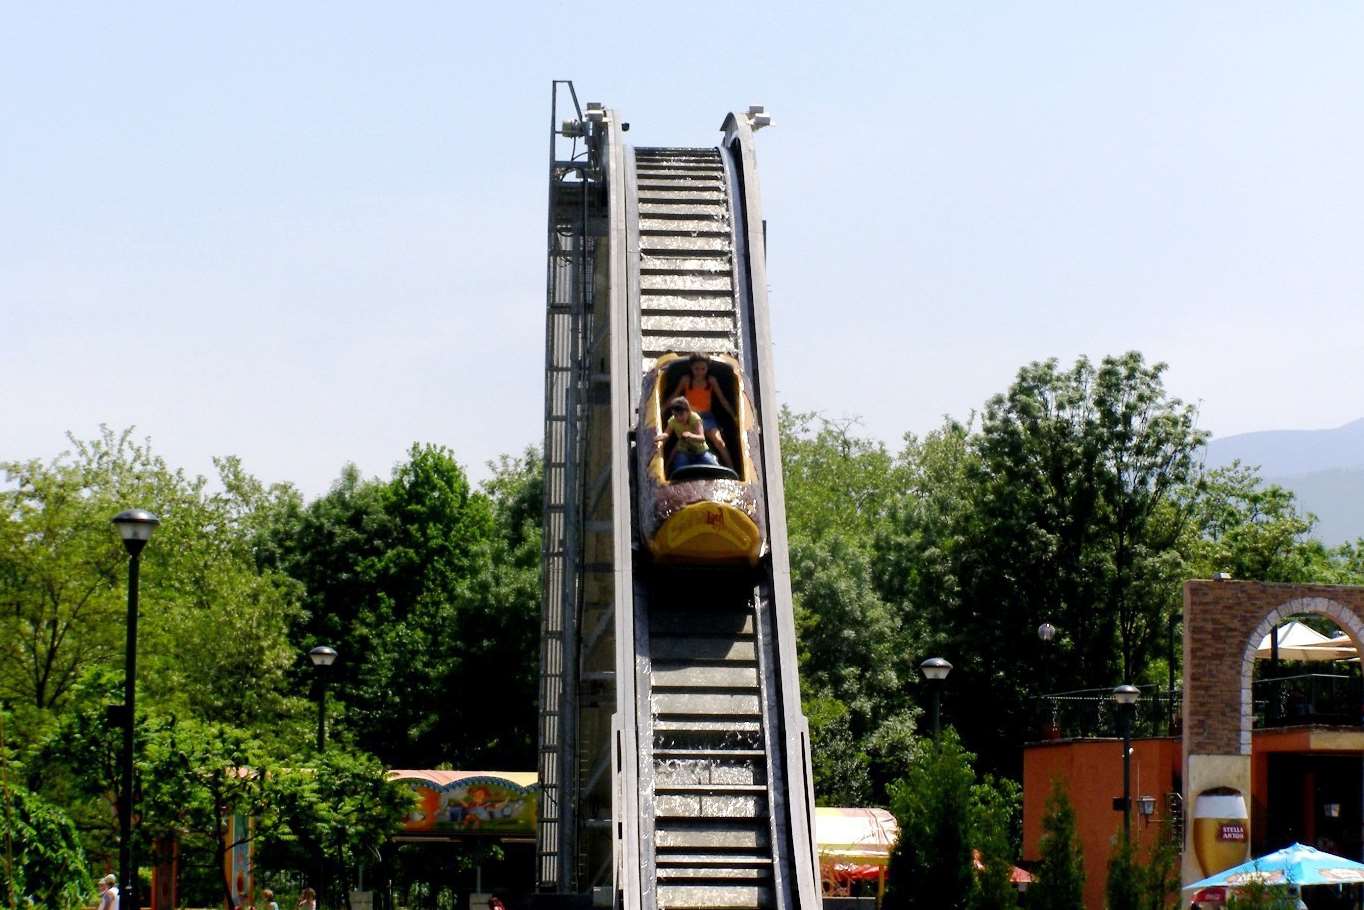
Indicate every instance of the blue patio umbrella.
{"type": "Point", "coordinates": [1298, 865]}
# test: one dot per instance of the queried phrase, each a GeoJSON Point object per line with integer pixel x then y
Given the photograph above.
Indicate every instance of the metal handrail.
{"type": "Point", "coordinates": [1323, 699]}
{"type": "Point", "coordinates": [1091, 713]}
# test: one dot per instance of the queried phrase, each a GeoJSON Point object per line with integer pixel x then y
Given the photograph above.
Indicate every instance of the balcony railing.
{"type": "Point", "coordinates": [1313, 698]}
{"type": "Point", "coordinates": [1091, 713]}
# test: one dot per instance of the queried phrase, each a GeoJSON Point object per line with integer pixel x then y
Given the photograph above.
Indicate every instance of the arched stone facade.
{"type": "Point", "coordinates": [1224, 623]}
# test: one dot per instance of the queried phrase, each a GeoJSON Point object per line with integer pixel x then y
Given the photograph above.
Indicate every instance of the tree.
{"type": "Point", "coordinates": [958, 834]}
{"type": "Point", "coordinates": [341, 807]}
{"type": "Point", "coordinates": [188, 775]}
{"type": "Point", "coordinates": [919, 547]}
{"type": "Point", "coordinates": [1080, 472]}
{"type": "Point", "coordinates": [995, 811]}
{"type": "Point", "coordinates": [1161, 881]}
{"type": "Point", "coordinates": [855, 667]}
{"type": "Point", "coordinates": [516, 490]}
{"type": "Point", "coordinates": [1124, 888]}
{"type": "Point", "coordinates": [1149, 442]}
{"type": "Point", "coordinates": [342, 811]}
{"type": "Point", "coordinates": [834, 479]}
{"type": "Point", "coordinates": [839, 759]}
{"type": "Point", "coordinates": [216, 638]}
{"type": "Point", "coordinates": [1257, 895]}
{"type": "Point", "coordinates": [43, 862]}
{"type": "Point", "coordinates": [62, 571]}
{"type": "Point", "coordinates": [1064, 507]}
{"type": "Point", "coordinates": [1060, 881]}
{"type": "Point", "coordinates": [430, 588]}
{"type": "Point", "coordinates": [1251, 530]}
{"type": "Point", "coordinates": [852, 654]}
{"type": "Point", "coordinates": [192, 775]}
{"type": "Point", "coordinates": [59, 566]}
{"type": "Point", "coordinates": [933, 865]}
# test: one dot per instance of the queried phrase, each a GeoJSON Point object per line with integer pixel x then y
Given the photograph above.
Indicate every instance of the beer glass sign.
{"type": "Point", "coordinates": [1221, 829]}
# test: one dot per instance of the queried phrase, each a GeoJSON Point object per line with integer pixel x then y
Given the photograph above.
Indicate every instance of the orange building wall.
{"type": "Point", "coordinates": [1092, 772]}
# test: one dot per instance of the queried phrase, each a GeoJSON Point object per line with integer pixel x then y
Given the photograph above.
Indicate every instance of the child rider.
{"type": "Point", "coordinates": [684, 425]}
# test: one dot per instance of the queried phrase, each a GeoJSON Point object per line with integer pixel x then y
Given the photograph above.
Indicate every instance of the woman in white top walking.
{"type": "Point", "coordinates": [108, 893]}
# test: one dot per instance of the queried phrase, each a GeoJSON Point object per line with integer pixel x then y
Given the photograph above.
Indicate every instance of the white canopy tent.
{"type": "Point", "coordinates": [1302, 642]}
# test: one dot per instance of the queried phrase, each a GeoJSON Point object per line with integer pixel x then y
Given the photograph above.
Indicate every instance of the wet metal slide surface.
{"type": "Point", "coordinates": [715, 794]}
{"type": "Point", "coordinates": [686, 253]}
{"type": "Point", "coordinates": [708, 748]}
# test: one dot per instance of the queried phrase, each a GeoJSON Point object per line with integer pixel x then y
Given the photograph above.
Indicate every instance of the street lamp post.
{"type": "Point", "coordinates": [935, 670]}
{"type": "Point", "coordinates": [135, 526]}
{"type": "Point", "coordinates": [1045, 633]}
{"type": "Point", "coordinates": [1175, 620]}
{"type": "Point", "coordinates": [322, 658]}
{"type": "Point", "coordinates": [1125, 697]}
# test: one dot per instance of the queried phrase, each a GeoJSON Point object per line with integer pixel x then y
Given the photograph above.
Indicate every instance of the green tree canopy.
{"type": "Point", "coordinates": [429, 589]}
{"type": "Point", "coordinates": [41, 859]}
{"type": "Point", "coordinates": [854, 665]}
{"type": "Point", "coordinates": [213, 636]}
{"type": "Point", "coordinates": [956, 845]}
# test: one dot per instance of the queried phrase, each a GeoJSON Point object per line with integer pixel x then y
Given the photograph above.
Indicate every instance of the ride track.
{"type": "Point", "coordinates": [669, 695]}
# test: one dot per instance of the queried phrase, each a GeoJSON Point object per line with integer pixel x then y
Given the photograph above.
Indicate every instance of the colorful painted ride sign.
{"type": "Point", "coordinates": [462, 802]}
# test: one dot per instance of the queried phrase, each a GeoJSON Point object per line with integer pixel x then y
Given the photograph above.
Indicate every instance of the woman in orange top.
{"type": "Point", "coordinates": [699, 387]}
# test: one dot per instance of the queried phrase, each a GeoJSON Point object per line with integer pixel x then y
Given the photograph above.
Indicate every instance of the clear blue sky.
{"type": "Point", "coordinates": [313, 233]}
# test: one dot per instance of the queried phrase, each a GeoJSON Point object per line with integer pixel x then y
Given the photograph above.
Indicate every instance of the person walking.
{"type": "Point", "coordinates": [108, 893]}
{"type": "Point", "coordinates": [306, 901]}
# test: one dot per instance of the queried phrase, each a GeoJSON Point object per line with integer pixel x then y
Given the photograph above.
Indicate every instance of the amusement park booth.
{"type": "Point", "coordinates": [474, 829]}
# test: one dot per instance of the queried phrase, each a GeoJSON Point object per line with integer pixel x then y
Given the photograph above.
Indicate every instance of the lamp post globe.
{"type": "Point", "coordinates": [135, 527]}
{"type": "Point", "coordinates": [1125, 697]}
{"type": "Point", "coordinates": [935, 670]}
{"type": "Point", "coordinates": [322, 657]}
{"type": "Point", "coordinates": [1046, 631]}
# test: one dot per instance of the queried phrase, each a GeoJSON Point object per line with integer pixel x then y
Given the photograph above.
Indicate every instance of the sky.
{"type": "Point", "coordinates": [309, 234]}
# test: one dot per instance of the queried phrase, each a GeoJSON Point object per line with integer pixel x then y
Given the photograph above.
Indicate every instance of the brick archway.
{"type": "Point", "coordinates": [1224, 623]}
{"type": "Point", "coordinates": [1341, 615]}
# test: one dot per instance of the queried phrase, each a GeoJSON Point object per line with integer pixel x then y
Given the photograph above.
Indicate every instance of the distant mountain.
{"type": "Point", "coordinates": [1323, 468]}
{"type": "Point", "coordinates": [1336, 497]}
{"type": "Point", "coordinates": [1284, 453]}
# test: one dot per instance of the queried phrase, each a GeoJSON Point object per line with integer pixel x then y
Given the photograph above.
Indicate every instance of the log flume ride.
{"type": "Point", "coordinates": [674, 758]}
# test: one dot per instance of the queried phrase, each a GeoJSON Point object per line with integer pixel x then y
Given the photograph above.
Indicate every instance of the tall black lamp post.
{"type": "Point", "coordinates": [135, 526]}
{"type": "Point", "coordinates": [322, 657]}
{"type": "Point", "coordinates": [935, 670]}
{"type": "Point", "coordinates": [1125, 697]}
